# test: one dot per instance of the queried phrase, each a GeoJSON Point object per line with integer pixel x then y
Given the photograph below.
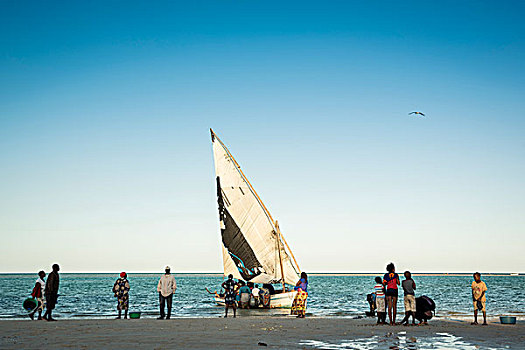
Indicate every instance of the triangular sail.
{"type": "Point", "coordinates": [250, 240]}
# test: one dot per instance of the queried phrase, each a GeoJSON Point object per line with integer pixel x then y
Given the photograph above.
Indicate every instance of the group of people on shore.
{"type": "Point", "coordinates": [46, 294]}
{"type": "Point", "coordinates": [240, 294]}
{"type": "Point", "coordinates": [244, 295]}
{"type": "Point", "coordinates": [237, 294]}
{"type": "Point", "coordinates": [386, 296]}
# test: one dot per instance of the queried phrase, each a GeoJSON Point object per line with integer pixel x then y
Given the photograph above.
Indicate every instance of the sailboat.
{"type": "Point", "coordinates": [253, 247]}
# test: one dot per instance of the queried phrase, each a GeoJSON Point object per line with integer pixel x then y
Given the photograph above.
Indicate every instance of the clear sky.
{"type": "Point", "coordinates": [105, 155]}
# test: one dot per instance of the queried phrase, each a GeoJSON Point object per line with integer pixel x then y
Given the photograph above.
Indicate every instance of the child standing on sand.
{"type": "Point", "coordinates": [479, 288]}
{"type": "Point", "coordinates": [379, 291]}
{"type": "Point", "coordinates": [410, 298]}
{"type": "Point", "coordinates": [391, 281]}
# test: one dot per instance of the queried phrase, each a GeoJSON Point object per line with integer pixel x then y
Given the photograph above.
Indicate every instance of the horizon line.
{"type": "Point", "coordinates": [311, 273]}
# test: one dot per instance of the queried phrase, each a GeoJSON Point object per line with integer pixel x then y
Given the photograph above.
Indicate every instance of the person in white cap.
{"type": "Point", "coordinates": [166, 287]}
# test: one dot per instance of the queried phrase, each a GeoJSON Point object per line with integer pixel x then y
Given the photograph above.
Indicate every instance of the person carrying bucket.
{"type": "Point", "coordinates": [38, 294]}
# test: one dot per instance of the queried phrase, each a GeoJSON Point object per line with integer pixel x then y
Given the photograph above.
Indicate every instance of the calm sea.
{"type": "Point", "coordinates": [90, 296]}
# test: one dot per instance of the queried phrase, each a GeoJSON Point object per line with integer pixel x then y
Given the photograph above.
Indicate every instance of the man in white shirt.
{"type": "Point", "coordinates": [166, 287]}
{"type": "Point", "coordinates": [255, 292]}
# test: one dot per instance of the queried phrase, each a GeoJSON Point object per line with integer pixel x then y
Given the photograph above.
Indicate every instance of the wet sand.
{"type": "Point", "coordinates": [248, 332]}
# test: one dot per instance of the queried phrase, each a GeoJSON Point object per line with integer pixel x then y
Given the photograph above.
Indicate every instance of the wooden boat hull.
{"type": "Point", "coordinates": [277, 301]}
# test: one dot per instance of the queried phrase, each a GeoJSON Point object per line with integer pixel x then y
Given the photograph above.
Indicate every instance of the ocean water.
{"type": "Point", "coordinates": [90, 295]}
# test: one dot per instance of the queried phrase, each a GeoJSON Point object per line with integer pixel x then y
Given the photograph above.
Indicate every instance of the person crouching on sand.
{"type": "Point", "coordinates": [479, 289]}
{"type": "Point", "coordinates": [51, 292]}
{"type": "Point", "coordinates": [229, 295]}
{"type": "Point", "coordinates": [410, 298]}
{"type": "Point", "coordinates": [379, 291]}
{"type": "Point", "coordinates": [38, 294]}
{"type": "Point", "coordinates": [391, 281]}
{"type": "Point", "coordinates": [166, 287]}
{"type": "Point", "coordinates": [244, 296]}
{"type": "Point", "coordinates": [299, 302]}
{"type": "Point", "coordinates": [121, 290]}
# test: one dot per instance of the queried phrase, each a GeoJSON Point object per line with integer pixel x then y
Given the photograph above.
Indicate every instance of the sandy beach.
{"type": "Point", "coordinates": [254, 332]}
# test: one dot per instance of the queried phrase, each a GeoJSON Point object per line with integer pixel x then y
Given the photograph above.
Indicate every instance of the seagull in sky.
{"type": "Point", "coordinates": [417, 113]}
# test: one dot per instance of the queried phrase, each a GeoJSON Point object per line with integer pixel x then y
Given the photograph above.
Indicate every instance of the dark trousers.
{"type": "Point", "coordinates": [51, 300]}
{"type": "Point", "coordinates": [165, 300]}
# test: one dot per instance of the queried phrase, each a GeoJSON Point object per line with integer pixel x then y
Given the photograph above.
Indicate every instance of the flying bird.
{"type": "Point", "coordinates": [422, 114]}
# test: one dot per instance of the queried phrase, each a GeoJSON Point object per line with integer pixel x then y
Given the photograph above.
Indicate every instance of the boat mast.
{"type": "Point", "coordinates": [291, 253]}
{"type": "Point", "coordinates": [280, 256]}
{"type": "Point", "coordinates": [213, 137]}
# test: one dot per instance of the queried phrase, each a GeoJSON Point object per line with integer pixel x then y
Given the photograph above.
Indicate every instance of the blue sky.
{"type": "Point", "coordinates": [106, 160]}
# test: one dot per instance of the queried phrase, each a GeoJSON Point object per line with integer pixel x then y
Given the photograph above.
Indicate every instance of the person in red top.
{"type": "Point", "coordinates": [391, 281]}
{"type": "Point", "coordinates": [38, 294]}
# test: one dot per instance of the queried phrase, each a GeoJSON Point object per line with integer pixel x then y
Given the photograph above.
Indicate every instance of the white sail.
{"type": "Point", "coordinates": [251, 241]}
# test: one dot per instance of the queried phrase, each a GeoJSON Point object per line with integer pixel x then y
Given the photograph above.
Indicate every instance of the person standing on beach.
{"type": "Point", "coordinates": [410, 298]}
{"type": "Point", "coordinates": [51, 292]}
{"type": "Point", "coordinates": [229, 295]}
{"type": "Point", "coordinates": [121, 291]}
{"type": "Point", "coordinates": [38, 294]}
{"type": "Point", "coordinates": [380, 301]}
{"type": "Point", "coordinates": [299, 302]}
{"type": "Point", "coordinates": [256, 295]}
{"type": "Point", "coordinates": [166, 287]}
{"type": "Point", "coordinates": [479, 289]}
{"type": "Point", "coordinates": [391, 281]}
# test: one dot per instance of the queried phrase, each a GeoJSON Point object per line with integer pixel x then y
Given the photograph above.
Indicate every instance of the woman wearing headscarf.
{"type": "Point", "coordinates": [299, 302]}
{"type": "Point", "coordinates": [121, 290]}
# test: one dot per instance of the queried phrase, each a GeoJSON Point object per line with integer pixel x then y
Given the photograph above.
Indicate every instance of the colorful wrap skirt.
{"type": "Point", "coordinates": [123, 302]}
{"type": "Point", "coordinates": [265, 297]}
{"type": "Point", "coordinates": [299, 303]}
{"type": "Point", "coordinates": [41, 304]}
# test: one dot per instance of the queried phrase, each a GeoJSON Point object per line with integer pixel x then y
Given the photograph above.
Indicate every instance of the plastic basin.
{"type": "Point", "coordinates": [507, 319]}
{"type": "Point", "coordinates": [30, 304]}
{"type": "Point", "coordinates": [134, 315]}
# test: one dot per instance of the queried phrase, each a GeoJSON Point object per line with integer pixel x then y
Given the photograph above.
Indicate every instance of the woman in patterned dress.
{"type": "Point", "coordinates": [229, 296]}
{"type": "Point", "coordinates": [121, 290]}
{"type": "Point", "coordinates": [299, 302]}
